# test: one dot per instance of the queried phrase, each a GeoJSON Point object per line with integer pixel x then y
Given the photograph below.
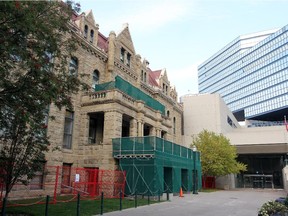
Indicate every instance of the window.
{"type": "Point", "coordinates": [49, 60]}
{"type": "Point", "coordinates": [142, 75]}
{"type": "Point", "coordinates": [68, 129]}
{"type": "Point", "coordinates": [122, 54]}
{"type": "Point", "coordinates": [174, 125]}
{"type": "Point", "coordinates": [85, 31]}
{"type": "Point", "coordinates": [36, 183]}
{"type": "Point", "coordinates": [128, 59]}
{"type": "Point", "coordinates": [73, 66]}
{"type": "Point", "coordinates": [95, 79]}
{"type": "Point", "coordinates": [91, 36]}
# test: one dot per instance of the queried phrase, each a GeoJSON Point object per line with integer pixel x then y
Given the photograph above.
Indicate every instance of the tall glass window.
{"type": "Point", "coordinates": [91, 36]}
{"type": "Point", "coordinates": [85, 31]}
{"type": "Point", "coordinates": [95, 78]}
{"type": "Point", "coordinates": [73, 66]}
{"type": "Point", "coordinates": [68, 130]}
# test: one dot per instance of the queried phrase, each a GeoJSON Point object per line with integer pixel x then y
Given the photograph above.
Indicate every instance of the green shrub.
{"type": "Point", "coordinates": [271, 207]}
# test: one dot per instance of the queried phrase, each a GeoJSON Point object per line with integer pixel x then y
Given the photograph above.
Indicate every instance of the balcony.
{"type": "Point", "coordinates": [148, 147]}
{"type": "Point", "coordinates": [121, 90]}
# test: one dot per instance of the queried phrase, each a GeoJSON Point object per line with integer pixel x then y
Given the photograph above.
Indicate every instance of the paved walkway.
{"type": "Point", "coordinates": [220, 203]}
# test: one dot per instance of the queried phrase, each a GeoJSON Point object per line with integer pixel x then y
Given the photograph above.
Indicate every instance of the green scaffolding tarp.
{"type": "Point", "coordinates": [155, 166]}
{"type": "Point", "coordinates": [132, 91]}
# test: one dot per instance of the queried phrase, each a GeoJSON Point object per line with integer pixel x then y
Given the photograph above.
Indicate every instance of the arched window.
{"type": "Point", "coordinates": [95, 79]}
{"type": "Point", "coordinates": [85, 31]}
{"type": "Point", "coordinates": [168, 113]}
{"type": "Point", "coordinates": [91, 36]}
{"type": "Point", "coordinates": [73, 66]}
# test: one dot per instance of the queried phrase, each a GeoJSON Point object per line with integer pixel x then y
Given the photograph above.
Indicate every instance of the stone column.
{"type": "Point", "coordinates": [133, 128]}
{"type": "Point", "coordinates": [158, 132]}
{"type": "Point", "coordinates": [153, 131]}
{"type": "Point", "coordinates": [140, 129]}
{"type": "Point", "coordinates": [112, 125]}
{"type": "Point", "coordinates": [111, 55]}
{"type": "Point", "coordinates": [84, 131]}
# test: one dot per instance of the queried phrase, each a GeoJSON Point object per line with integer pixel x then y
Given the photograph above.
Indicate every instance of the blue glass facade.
{"type": "Point", "coordinates": [251, 74]}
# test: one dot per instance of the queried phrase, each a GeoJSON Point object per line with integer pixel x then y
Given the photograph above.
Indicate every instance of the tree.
{"type": "Point", "coordinates": [35, 48]}
{"type": "Point", "coordinates": [218, 156]}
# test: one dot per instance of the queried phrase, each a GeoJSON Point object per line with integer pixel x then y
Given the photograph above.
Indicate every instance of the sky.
{"type": "Point", "coordinates": [181, 34]}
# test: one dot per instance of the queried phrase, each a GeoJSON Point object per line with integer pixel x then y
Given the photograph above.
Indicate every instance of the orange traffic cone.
{"type": "Point", "coordinates": [181, 193]}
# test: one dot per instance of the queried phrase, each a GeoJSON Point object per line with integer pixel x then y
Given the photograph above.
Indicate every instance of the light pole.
{"type": "Point", "coordinates": [195, 182]}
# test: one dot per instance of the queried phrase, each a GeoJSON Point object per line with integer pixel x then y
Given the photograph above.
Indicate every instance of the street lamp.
{"type": "Point", "coordinates": [195, 182]}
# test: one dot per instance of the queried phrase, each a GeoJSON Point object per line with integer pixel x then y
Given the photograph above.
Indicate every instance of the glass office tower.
{"type": "Point", "coordinates": [251, 75]}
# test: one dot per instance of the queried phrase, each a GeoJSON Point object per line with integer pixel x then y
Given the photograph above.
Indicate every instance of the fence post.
{"type": "Point", "coordinates": [78, 204]}
{"type": "Point", "coordinates": [56, 185]}
{"type": "Point", "coordinates": [135, 199]}
{"type": "Point", "coordinates": [120, 200]}
{"type": "Point", "coordinates": [102, 203]}
{"type": "Point", "coordinates": [46, 206]}
{"type": "Point", "coordinates": [167, 195]}
{"type": "Point", "coordinates": [159, 195]}
{"type": "Point", "coordinates": [148, 199]}
{"type": "Point", "coordinates": [4, 207]}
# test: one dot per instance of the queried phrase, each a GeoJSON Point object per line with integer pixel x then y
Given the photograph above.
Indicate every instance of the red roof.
{"type": "Point", "coordinates": [153, 76]}
{"type": "Point", "coordinates": [102, 42]}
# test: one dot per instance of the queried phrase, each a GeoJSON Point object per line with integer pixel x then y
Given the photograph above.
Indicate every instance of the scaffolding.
{"type": "Point", "coordinates": [132, 91]}
{"type": "Point", "coordinates": [155, 166]}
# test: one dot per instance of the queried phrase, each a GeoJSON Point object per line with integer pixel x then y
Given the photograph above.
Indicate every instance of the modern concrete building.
{"type": "Point", "coordinates": [250, 73]}
{"type": "Point", "coordinates": [263, 149]}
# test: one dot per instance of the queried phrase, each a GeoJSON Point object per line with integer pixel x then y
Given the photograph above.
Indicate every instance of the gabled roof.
{"type": "Point", "coordinates": [90, 17]}
{"type": "Point", "coordinates": [124, 36]}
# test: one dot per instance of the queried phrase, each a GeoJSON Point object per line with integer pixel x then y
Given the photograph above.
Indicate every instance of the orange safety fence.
{"type": "Point", "coordinates": [64, 183]}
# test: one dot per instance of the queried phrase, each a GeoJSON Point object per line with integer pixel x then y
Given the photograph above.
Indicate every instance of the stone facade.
{"type": "Point", "coordinates": [100, 116]}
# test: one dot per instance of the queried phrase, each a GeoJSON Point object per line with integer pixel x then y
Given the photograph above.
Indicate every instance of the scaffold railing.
{"type": "Point", "coordinates": [126, 147]}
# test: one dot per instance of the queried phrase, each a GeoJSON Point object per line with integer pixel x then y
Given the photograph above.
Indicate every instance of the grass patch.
{"type": "Point", "coordinates": [208, 190]}
{"type": "Point", "coordinates": [87, 207]}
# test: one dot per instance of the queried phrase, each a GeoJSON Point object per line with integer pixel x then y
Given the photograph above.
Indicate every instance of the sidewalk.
{"type": "Point", "coordinates": [244, 202]}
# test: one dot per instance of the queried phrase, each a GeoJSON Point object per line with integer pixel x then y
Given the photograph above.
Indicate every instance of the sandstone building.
{"type": "Point", "coordinates": [126, 99]}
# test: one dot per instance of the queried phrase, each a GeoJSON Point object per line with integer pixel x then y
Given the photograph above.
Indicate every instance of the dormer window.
{"type": "Point", "coordinates": [125, 57]}
{"type": "Point", "coordinates": [85, 31]}
{"type": "Point", "coordinates": [128, 59]}
{"type": "Point", "coordinates": [91, 36]}
{"type": "Point", "coordinates": [122, 54]}
{"type": "Point", "coordinates": [143, 76]}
